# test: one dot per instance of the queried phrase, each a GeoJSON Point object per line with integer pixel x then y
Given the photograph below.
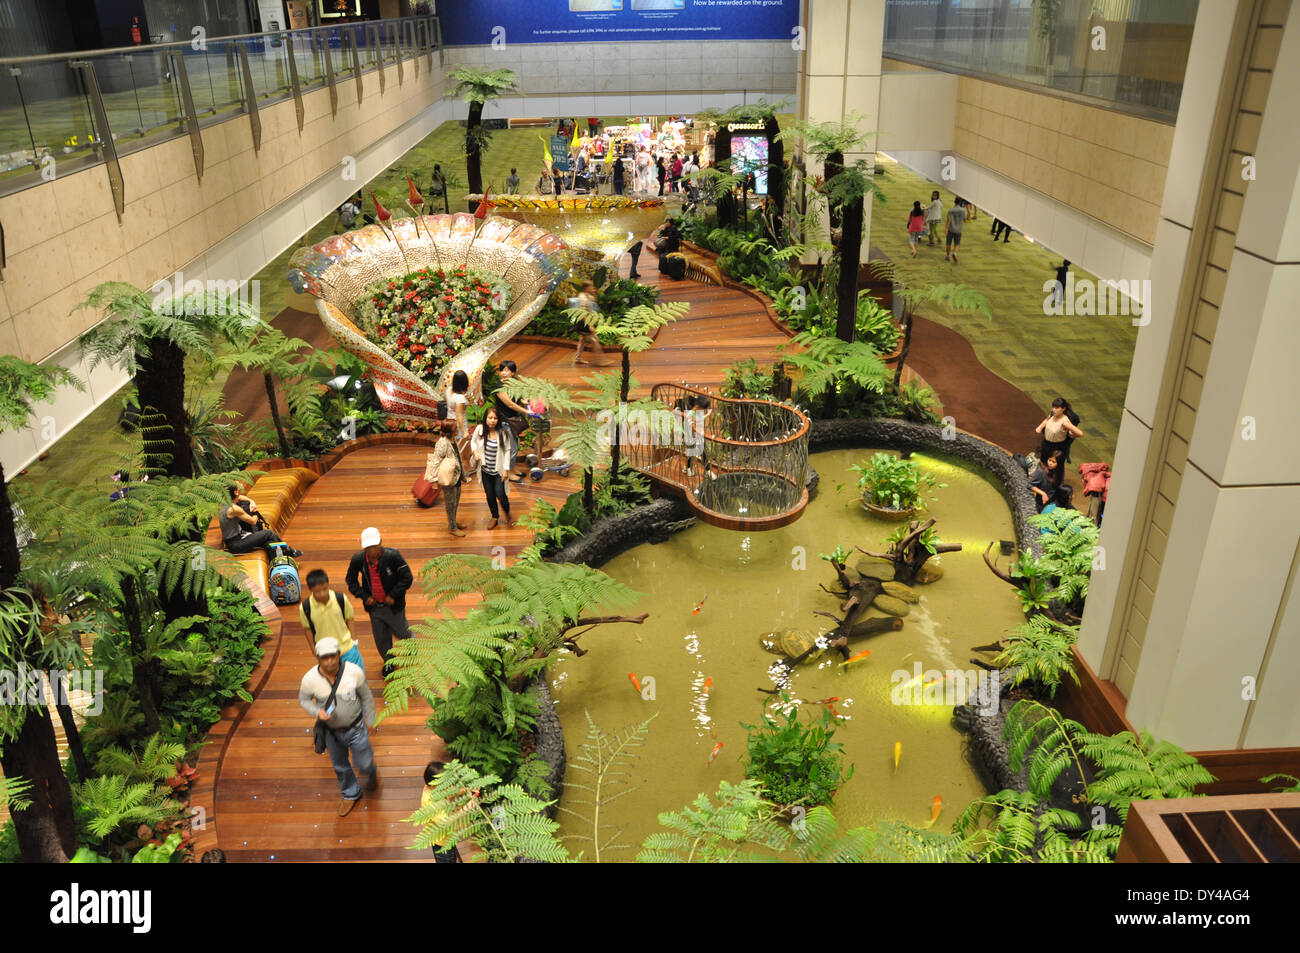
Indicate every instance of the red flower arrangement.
{"type": "Point", "coordinates": [425, 318]}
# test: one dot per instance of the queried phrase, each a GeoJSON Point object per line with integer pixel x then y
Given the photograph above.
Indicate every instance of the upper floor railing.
{"type": "Point", "coordinates": [63, 111]}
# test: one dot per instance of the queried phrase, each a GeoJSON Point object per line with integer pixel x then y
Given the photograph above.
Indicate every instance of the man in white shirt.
{"type": "Point", "coordinates": [933, 216]}
{"type": "Point", "coordinates": [346, 716]}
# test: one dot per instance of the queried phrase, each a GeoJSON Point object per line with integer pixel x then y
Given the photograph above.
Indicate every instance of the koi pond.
{"type": "Point", "coordinates": [713, 595]}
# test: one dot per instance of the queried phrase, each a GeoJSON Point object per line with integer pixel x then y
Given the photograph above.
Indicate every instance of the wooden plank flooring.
{"type": "Point", "coordinates": [275, 797]}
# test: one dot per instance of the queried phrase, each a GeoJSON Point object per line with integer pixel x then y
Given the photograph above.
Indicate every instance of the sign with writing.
{"type": "Point", "coordinates": [560, 152]}
{"type": "Point", "coordinates": [558, 21]}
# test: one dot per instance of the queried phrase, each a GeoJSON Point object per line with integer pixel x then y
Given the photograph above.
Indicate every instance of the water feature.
{"type": "Point", "coordinates": [752, 584]}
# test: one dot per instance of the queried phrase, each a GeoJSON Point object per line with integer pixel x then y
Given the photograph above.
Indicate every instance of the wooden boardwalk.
{"type": "Point", "coordinates": [275, 797]}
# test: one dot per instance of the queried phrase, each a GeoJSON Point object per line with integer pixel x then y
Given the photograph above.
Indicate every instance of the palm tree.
{"type": "Point", "coordinates": [149, 339]}
{"type": "Point", "coordinates": [281, 358]}
{"type": "Point", "coordinates": [845, 189]}
{"type": "Point", "coordinates": [476, 86]}
{"type": "Point", "coordinates": [47, 827]}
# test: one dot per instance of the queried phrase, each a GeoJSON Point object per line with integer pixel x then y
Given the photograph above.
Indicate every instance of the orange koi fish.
{"type": "Point", "coordinates": [861, 655]}
{"type": "Point", "coordinates": [714, 753]}
{"type": "Point", "coordinates": [898, 753]}
{"type": "Point", "coordinates": [827, 701]}
{"type": "Point", "coordinates": [698, 606]}
{"type": "Point", "coordinates": [935, 807]}
{"type": "Point", "coordinates": [707, 683]}
{"type": "Point", "coordinates": [935, 681]}
{"type": "Point", "coordinates": [635, 682]}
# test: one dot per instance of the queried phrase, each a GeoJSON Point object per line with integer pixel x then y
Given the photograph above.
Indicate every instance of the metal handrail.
{"type": "Point", "coordinates": [177, 44]}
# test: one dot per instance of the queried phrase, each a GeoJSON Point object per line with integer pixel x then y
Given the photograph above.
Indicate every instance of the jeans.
{"type": "Point", "coordinates": [494, 487]}
{"type": "Point", "coordinates": [387, 624]}
{"type": "Point", "coordinates": [357, 741]}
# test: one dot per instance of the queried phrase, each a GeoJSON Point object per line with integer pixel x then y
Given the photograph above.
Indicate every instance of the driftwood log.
{"type": "Point", "coordinates": [909, 554]}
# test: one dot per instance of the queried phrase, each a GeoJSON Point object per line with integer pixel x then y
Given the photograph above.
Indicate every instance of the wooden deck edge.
{"type": "Point", "coordinates": [1100, 706]}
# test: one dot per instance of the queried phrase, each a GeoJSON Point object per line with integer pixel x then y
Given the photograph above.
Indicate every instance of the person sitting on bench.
{"type": "Point", "coordinates": [243, 530]}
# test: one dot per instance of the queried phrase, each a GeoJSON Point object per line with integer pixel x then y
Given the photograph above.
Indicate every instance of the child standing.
{"type": "Point", "coordinates": [327, 614]}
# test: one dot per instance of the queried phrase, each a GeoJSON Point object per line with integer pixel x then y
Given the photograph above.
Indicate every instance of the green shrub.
{"type": "Point", "coordinates": [796, 761]}
{"type": "Point", "coordinates": [892, 482]}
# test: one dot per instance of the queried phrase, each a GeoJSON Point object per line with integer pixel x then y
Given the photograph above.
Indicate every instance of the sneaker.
{"type": "Point", "coordinates": [346, 806]}
{"type": "Point", "coordinates": [457, 532]}
{"type": "Point", "coordinates": [295, 553]}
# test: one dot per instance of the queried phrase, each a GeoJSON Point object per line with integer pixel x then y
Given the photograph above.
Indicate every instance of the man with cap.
{"type": "Point", "coordinates": [346, 717]}
{"type": "Point", "coordinates": [379, 577]}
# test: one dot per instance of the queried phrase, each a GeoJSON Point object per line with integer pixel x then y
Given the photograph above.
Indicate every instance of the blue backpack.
{"type": "Point", "coordinates": [286, 590]}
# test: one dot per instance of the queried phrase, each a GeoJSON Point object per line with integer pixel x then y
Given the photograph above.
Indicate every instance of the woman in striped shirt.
{"type": "Point", "coordinates": [492, 448]}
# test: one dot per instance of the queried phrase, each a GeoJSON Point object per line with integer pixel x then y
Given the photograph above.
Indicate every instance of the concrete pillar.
{"type": "Point", "coordinates": [1194, 619]}
{"type": "Point", "coordinates": [839, 71]}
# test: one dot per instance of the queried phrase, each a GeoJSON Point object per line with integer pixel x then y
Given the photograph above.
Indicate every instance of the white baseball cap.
{"type": "Point", "coordinates": [369, 537]}
{"type": "Point", "coordinates": [327, 646]}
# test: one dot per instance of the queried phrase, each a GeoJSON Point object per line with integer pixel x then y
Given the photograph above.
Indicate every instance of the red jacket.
{"type": "Point", "coordinates": [1096, 479]}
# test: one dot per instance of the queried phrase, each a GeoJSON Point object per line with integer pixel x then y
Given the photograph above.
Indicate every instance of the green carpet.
{"type": "Point", "coordinates": [1084, 360]}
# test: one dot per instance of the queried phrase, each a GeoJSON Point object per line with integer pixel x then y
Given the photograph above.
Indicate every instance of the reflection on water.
{"type": "Point", "coordinates": [714, 594]}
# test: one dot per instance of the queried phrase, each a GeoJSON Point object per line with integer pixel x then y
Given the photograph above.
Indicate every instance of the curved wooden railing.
{"type": "Point", "coordinates": [740, 464]}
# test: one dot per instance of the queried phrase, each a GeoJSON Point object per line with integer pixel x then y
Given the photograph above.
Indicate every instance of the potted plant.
{"type": "Point", "coordinates": [892, 488]}
{"type": "Point", "coordinates": [795, 759]}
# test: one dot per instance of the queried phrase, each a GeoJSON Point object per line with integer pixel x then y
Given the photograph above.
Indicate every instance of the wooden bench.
{"type": "Point", "coordinates": [277, 496]}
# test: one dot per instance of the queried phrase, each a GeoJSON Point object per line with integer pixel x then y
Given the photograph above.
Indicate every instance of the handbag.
{"type": "Point", "coordinates": [449, 471]}
{"type": "Point", "coordinates": [318, 733]}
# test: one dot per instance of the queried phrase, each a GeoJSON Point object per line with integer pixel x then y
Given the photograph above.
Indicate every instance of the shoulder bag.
{"type": "Point", "coordinates": [318, 733]}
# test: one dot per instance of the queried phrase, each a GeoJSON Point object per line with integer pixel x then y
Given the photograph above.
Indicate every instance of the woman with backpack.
{"type": "Point", "coordinates": [493, 448]}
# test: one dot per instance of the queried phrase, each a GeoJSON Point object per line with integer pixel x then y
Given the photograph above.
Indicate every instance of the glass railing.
{"type": "Point", "coordinates": [50, 106]}
{"type": "Point", "coordinates": [1130, 53]}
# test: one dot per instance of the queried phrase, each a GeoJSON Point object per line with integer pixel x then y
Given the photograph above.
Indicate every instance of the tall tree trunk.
{"type": "Point", "coordinates": [588, 491]}
{"type": "Point", "coordinates": [831, 167]}
{"type": "Point", "coordinates": [616, 445]}
{"type": "Point", "coordinates": [275, 416]}
{"type": "Point", "coordinates": [846, 319]}
{"type": "Point", "coordinates": [141, 673]}
{"type": "Point", "coordinates": [47, 831]}
{"type": "Point", "coordinates": [473, 159]}
{"type": "Point", "coordinates": [160, 384]}
{"type": "Point", "coordinates": [776, 183]}
{"type": "Point", "coordinates": [907, 346]}
{"type": "Point", "coordinates": [70, 729]}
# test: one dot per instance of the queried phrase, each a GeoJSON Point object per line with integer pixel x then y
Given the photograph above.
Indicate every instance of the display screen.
{"type": "Point", "coordinates": [749, 154]}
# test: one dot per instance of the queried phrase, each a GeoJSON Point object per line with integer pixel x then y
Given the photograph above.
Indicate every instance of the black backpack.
{"type": "Point", "coordinates": [306, 610]}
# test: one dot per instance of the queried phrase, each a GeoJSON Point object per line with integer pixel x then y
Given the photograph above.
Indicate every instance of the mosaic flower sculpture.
{"type": "Point", "coordinates": [466, 287]}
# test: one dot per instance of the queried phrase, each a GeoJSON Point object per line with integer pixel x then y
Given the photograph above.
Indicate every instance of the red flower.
{"type": "Point", "coordinates": [442, 322]}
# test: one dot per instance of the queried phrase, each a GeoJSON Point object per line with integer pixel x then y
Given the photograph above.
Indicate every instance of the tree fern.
{"type": "Point", "coordinates": [1130, 770]}
{"type": "Point", "coordinates": [155, 763]}
{"type": "Point", "coordinates": [817, 839]}
{"type": "Point", "coordinates": [501, 819]}
{"type": "Point", "coordinates": [725, 832]}
{"type": "Point", "coordinates": [606, 760]}
{"type": "Point", "coordinates": [112, 801]}
{"type": "Point", "coordinates": [1292, 786]}
{"type": "Point", "coordinates": [1038, 650]}
{"type": "Point", "coordinates": [895, 842]}
{"type": "Point", "coordinates": [13, 793]}
{"type": "Point", "coordinates": [1016, 827]}
{"type": "Point", "coordinates": [1050, 742]}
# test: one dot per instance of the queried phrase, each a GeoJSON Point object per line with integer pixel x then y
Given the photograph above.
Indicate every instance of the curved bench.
{"type": "Point", "coordinates": [277, 495]}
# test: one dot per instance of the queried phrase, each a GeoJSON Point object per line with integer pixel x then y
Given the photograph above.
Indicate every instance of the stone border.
{"type": "Point", "coordinates": [607, 538]}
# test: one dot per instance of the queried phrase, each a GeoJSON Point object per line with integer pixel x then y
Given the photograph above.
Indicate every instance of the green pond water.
{"type": "Point", "coordinates": [751, 584]}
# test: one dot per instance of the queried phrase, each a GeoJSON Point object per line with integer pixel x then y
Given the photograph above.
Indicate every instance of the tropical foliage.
{"type": "Point", "coordinates": [894, 482]}
{"type": "Point", "coordinates": [795, 759]}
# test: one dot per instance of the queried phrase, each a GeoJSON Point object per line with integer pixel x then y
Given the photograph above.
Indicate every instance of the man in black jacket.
{"type": "Point", "coordinates": [379, 577]}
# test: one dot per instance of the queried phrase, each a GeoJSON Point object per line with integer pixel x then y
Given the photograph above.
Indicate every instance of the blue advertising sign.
{"type": "Point", "coordinates": [480, 22]}
{"type": "Point", "coordinates": [560, 152]}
